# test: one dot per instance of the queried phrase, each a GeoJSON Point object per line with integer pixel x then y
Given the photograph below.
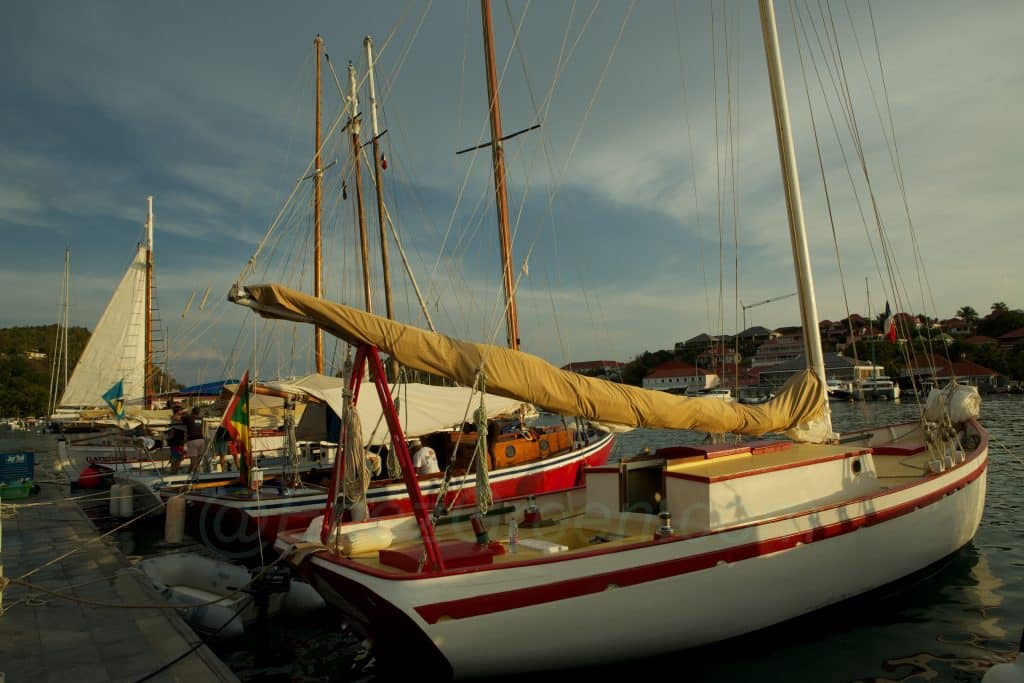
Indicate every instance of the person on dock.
{"type": "Point", "coordinates": [195, 443]}
{"type": "Point", "coordinates": [176, 437]}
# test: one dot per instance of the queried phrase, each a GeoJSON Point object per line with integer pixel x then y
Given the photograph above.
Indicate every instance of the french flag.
{"type": "Point", "coordinates": [889, 324]}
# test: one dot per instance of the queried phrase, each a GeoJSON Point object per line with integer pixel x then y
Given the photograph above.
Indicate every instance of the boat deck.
{"type": "Point", "coordinates": [896, 462]}
{"type": "Point", "coordinates": [899, 460]}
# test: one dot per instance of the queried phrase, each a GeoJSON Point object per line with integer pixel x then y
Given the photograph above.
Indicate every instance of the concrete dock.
{"type": "Point", "coordinates": [45, 638]}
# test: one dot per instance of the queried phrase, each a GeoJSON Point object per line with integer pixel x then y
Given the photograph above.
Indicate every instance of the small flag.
{"type": "Point", "coordinates": [889, 324]}
{"type": "Point", "coordinates": [236, 418]}
{"type": "Point", "coordinates": [115, 398]}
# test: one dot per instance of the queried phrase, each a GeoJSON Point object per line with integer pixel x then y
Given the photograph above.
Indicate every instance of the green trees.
{"type": "Point", "coordinates": [26, 359]}
{"type": "Point", "coordinates": [26, 364]}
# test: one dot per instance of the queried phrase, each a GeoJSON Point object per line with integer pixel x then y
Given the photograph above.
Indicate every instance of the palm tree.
{"type": "Point", "coordinates": [998, 308]}
{"type": "Point", "coordinates": [969, 316]}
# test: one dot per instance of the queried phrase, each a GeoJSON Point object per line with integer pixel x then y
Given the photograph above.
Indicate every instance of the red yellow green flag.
{"type": "Point", "coordinates": [236, 420]}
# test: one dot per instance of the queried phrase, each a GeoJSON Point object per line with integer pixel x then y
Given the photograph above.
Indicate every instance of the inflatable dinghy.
{"type": "Point", "coordinates": [194, 580]}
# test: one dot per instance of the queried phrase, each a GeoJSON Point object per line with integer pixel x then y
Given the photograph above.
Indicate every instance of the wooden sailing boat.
{"type": "Point", "coordinates": [660, 552]}
{"type": "Point", "coordinates": [521, 458]}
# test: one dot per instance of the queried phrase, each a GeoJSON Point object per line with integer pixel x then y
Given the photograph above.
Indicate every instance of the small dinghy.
{"type": "Point", "coordinates": [193, 581]}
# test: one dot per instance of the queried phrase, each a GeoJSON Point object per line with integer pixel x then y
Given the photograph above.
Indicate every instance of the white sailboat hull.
{"type": "Point", "coordinates": [630, 602]}
{"type": "Point", "coordinates": [714, 604]}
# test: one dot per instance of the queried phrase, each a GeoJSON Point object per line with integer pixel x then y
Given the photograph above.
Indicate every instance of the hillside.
{"type": "Point", "coordinates": [26, 365]}
{"type": "Point", "coordinates": [26, 360]}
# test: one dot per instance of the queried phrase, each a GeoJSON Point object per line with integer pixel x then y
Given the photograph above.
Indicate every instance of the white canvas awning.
{"type": "Point", "coordinates": [422, 408]}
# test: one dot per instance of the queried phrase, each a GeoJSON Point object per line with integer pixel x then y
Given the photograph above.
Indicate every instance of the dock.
{"type": "Point", "coordinates": [45, 638]}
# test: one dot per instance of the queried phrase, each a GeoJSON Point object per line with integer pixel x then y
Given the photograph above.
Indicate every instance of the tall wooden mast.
{"type": "Point", "coordinates": [317, 198]}
{"type": "Point", "coordinates": [378, 179]}
{"type": "Point", "coordinates": [500, 189]}
{"type": "Point", "coordinates": [354, 128]}
{"type": "Point", "coordinates": [147, 394]}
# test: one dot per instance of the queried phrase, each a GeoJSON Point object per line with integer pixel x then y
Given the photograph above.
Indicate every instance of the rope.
{"type": "Point", "coordinates": [5, 582]}
{"type": "Point", "coordinates": [484, 495]}
{"type": "Point", "coordinates": [91, 540]}
{"type": "Point", "coordinates": [357, 474]}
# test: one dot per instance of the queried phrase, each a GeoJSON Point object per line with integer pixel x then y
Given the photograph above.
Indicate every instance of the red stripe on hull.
{"type": "Point", "coordinates": [523, 597]}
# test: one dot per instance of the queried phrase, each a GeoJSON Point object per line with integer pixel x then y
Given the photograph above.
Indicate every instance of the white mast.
{"type": "Point", "coordinates": [147, 379]}
{"type": "Point", "coordinates": [794, 206]}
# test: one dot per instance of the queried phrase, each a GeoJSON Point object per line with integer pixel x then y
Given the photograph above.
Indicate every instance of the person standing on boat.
{"type": "Point", "coordinates": [424, 459]}
{"type": "Point", "coordinates": [195, 443]}
{"type": "Point", "coordinates": [223, 444]}
{"type": "Point", "coordinates": [176, 439]}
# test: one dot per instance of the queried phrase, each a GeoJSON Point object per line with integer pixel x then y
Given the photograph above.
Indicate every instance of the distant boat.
{"type": "Point", "coordinates": [880, 387]}
{"type": "Point", "coordinates": [839, 390]}
{"type": "Point", "coordinates": [753, 394]}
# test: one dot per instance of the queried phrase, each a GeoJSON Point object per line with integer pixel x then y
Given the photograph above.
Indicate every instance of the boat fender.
{"type": "Point", "coordinates": [365, 540]}
{"type": "Point", "coordinates": [531, 515]}
{"type": "Point", "coordinates": [93, 477]}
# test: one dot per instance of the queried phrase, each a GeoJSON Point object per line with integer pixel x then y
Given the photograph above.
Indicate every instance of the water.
{"type": "Point", "coordinates": [949, 624]}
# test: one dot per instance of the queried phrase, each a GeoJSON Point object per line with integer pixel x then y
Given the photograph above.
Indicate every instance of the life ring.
{"type": "Point", "coordinates": [543, 443]}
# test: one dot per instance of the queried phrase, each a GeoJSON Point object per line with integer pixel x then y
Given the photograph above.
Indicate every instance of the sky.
{"type": "Point", "coordinates": [646, 209]}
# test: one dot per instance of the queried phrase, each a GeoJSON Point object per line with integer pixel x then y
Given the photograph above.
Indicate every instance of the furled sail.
{"type": "Point", "coordinates": [525, 377]}
{"type": "Point", "coordinates": [116, 349]}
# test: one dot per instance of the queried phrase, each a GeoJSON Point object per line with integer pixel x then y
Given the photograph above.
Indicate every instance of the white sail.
{"type": "Point", "coordinates": [117, 347]}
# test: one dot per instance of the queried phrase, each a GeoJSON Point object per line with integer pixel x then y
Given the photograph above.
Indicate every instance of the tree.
{"type": "Point", "coordinates": [998, 308]}
{"type": "Point", "coordinates": [967, 314]}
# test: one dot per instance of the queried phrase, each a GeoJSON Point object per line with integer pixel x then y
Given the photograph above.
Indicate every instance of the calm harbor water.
{"type": "Point", "coordinates": [948, 624]}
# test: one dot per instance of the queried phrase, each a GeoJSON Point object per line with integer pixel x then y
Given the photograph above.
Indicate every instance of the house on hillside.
{"type": "Point", "coordinates": [939, 370]}
{"type": "Point", "coordinates": [757, 334]}
{"type": "Point", "coordinates": [716, 356]}
{"type": "Point", "coordinates": [1012, 338]}
{"type": "Point", "coordinates": [679, 377]}
{"type": "Point", "coordinates": [779, 349]}
{"type": "Point", "coordinates": [956, 327]}
{"type": "Point", "coordinates": [837, 366]}
{"type": "Point", "coordinates": [979, 340]}
{"type": "Point", "coordinates": [608, 369]}
{"type": "Point", "coordinates": [734, 377]}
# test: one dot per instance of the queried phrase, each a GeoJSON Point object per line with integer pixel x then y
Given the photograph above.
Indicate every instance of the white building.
{"type": "Point", "coordinates": [679, 377]}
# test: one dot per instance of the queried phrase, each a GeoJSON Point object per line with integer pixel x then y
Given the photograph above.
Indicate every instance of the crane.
{"type": "Point", "coordinates": [761, 303]}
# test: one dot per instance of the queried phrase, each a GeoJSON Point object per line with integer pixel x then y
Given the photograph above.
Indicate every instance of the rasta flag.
{"type": "Point", "coordinates": [236, 420]}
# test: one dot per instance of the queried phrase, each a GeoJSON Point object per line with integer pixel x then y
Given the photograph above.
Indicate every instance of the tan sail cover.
{"type": "Point", "coordinates": [528, 378]}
